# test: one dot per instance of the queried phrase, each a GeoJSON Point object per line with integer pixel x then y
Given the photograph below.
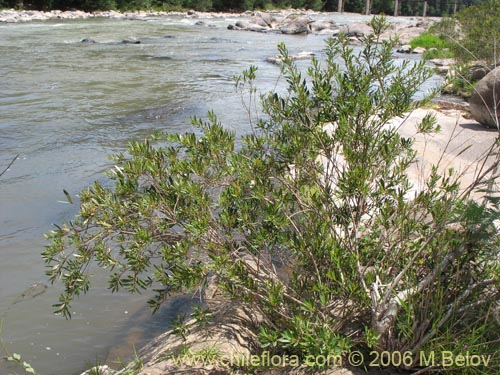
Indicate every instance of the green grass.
{"type": "Point", "coordinates": [437, 47]}
{"type": "Point", "coordinates": [428, 41]}
{"type": "Point", "coordinates": [438, 53]}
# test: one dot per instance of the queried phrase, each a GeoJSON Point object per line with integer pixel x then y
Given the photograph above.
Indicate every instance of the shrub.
{"type": "Point", "coordinates": [310, 222]}
{"type": "Point", "coordinates": [459, 82]}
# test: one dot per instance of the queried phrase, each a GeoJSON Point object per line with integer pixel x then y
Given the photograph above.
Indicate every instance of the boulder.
{"type": "Point", "coordinates": [445, 67]}
{"type": "Point", "coordinates": [88, 41]}
{"type": "Point", "coordinates": [357, 29]}
{"type": "Point", "coordinates": [131, 41]}
{"type": "Point", "coordinates": [485, 101]}
{"type": "Point", "coordinates": [304, 55]}
{"type": "Point", "coordinates": [230, 331]}
{"type": "Point", "coordinates": [405, 32]}
{"type": "Point", "coordinates": [479, 71]}
{"type": "Point", "coordinates": [263, 22]}
{"type": "Point", "coordinates": [263, 19]}
{"type": "Point", "coordinates": [257, 28]}
{"type": "Point", "coordinates": [443, 62]}
{"type": "Point", "coordinates": [418, 50]}
{"type": "Point", "coordinates": [322, 27]}
{"type": "Point", "coordinates": [404, 49]}
{"type": "Point", "coordinates": [295, 25]}
{"type": "Point", "coordinates": [355, 41]}
{"type": "Point", "coordinates": [242, 24]}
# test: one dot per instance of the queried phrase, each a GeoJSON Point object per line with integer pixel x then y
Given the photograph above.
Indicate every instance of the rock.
{"type": "Point", "coordinates": [263, 19]}
{"type": "Point", "coordinates": [418, 50]}
{"type": "Point", "coordinates": [478, 71]}
{"type": "Point", "coordinates": [295, 25]}
{"type": "Point", "coordinates": [257, 28]}
{"type": "Point", "coordinates": [200, 23]}
{"type": "Point", "coordinates": [298, 56]}
{"type": "Point", "coordinates": [191, 12]}
{"type": "Point", "coordinates": [442, 62]}
{"type": "Point", "coordinates": [404, 32]}
{"type": "Point", "coordinates": [260, 22]}
{"type": "Point", "coordinates": [242, 24]}
{"type": "Point", "coordinates": [322, 26]}
{"type": "Point", "coordinates": [484, 102]}
{"type": "Point", "coordinates": [443, 70]}
{"type": "Point", "coordinates": [291, 24]}
{"type": "Point", "coordinates": [276, 21]}
{"type": "Point", "coordinates": [432, 50]}
{"type": "Point", "coordinates": [446, 104]}
{"type": "Point", "coordinates": [88, 41]}
{"type": "Point", "coordinates": [445, 67]}
{"type": "Point", "coordinates": [101, 370]}
{"type": "Point", "coordinates": [131, 41]}
{"type": "Point", "coordinates": [355, 41]}
{"type": "Point", "coordinates": [230, 331]}
{"type": "Point", "coordinates": [357, 29]}
{"type": "Point", "coordinates": [404, 49]}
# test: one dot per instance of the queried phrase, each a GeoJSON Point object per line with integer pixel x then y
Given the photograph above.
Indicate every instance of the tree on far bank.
{"type": "Point", "coordinates": [407, 8]}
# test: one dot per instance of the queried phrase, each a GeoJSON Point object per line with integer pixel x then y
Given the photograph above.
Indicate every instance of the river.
{"type": "Point", "coordinates": [65, 106]}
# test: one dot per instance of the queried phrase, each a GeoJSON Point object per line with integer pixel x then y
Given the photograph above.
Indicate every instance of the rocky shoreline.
{"type": "Point", "coordinates": [290, 21]}
{"type": "Point", "coordinates": [15, 16]}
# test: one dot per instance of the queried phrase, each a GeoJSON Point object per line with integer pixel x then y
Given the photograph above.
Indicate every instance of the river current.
{"type": "Point", "coordinates": [65, 106]}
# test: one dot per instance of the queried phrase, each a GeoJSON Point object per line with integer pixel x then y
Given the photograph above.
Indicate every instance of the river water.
{"type": "Point", "coordinates": [65, 106]}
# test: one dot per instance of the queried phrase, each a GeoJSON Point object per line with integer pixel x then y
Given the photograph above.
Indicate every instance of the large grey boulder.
{"type": "Point", "coordinates": [242, 24]}
{"type": "Point", "coordinates": [357, 29]}
{"type": "Point", "coordinates": [263, 19]}
{"type": "Point", "coordinates": [485, 101]}
{"type": "Point", "coordinates": [252, 25]}
{"type": "Point", "coordinates": [322, 27]}
{"type": "Point", "coordinates": [295, 25]}
{"type": "Point", "coordinates": [479, 71]}
{"type": "Point", "coordinates": [406, 48]}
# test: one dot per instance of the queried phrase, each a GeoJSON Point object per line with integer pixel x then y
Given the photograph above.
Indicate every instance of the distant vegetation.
{"type": "Point", "coordinates": [471, 37]}
{"type": "Point", "coordinates": [428, 40]}
{"type": "Point", "coordinates": [472, 34]}
{"type": "Point", "coordinates": [410, 7]}
{"type": "Point", "coordinates": [481, 34]}
{"type": "Point", "coordinates": [437, 46]}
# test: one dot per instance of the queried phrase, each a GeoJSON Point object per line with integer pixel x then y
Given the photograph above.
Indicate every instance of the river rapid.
{"type": "Point", "coordinates": [65, 106]}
